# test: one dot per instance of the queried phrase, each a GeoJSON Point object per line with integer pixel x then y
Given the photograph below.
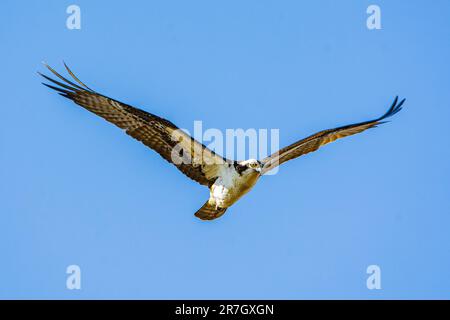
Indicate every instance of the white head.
{"type": "Point", "coordinates": [252, 164]}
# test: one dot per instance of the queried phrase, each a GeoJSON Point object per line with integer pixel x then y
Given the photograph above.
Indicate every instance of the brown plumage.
{"type": "Point", "coordinates": [209, 211]}
{"type": "Point", "coordinates": [315, 141]}
{"type": "Point", "coordinates": [157, 133]}
{"type": "Point", "coordinates": [227, 180]}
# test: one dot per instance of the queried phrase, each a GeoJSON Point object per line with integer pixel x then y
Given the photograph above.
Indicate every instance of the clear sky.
{"type": "Point", "coordinates": [75, 190]}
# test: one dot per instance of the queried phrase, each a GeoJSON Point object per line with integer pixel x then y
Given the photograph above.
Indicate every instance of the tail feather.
{"type": "Point", "coordinates": [209, 212]}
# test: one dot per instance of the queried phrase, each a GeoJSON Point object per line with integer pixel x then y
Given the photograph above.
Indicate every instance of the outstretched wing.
{"type": "Point", "coordinates": [314, 142]}
{"type": "Point", "coordinates": [188, 155]}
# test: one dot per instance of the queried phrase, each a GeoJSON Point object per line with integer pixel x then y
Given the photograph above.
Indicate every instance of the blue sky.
{"type": "Point", "coordinates": [76, 190]}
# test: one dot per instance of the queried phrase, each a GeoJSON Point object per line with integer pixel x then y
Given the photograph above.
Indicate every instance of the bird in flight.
{"type": "Point", "coordinates": [227, 180]}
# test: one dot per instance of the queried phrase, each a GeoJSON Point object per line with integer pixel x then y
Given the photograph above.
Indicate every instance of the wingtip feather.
{"type": "Point", "coordinates": [395, 108]}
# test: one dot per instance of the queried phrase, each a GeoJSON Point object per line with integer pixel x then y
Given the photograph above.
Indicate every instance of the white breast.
{"type": "Point", "coordinates": [230, 186]}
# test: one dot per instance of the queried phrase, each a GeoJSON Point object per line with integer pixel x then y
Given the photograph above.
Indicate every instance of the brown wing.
{"type": "Point", "coordinates": [189, 156]}
{"type": "Point", "coordinates": [314, 142]}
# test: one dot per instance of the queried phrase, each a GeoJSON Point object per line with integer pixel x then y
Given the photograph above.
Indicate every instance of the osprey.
{"type": "Point", "coordinates": [226, 179]}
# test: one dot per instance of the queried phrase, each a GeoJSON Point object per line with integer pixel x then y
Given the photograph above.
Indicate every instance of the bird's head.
{"type": "Point", "coordinates": [252, 165]}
